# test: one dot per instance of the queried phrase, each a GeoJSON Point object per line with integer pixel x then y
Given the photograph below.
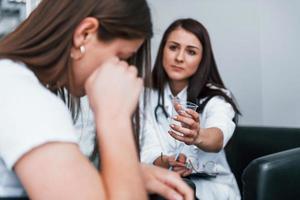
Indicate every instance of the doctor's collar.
{"type": "Point", "coordinates": [182, 95]}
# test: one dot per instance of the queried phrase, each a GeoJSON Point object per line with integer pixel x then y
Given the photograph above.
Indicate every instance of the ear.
{"type": "Point", "coordinates": [87, 28]}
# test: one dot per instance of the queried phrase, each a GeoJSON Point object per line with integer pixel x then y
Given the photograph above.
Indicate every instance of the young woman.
{"type": "Point", "coordinates": [185, 69]}
{"type": "Point", "coordinates": [67, 49]}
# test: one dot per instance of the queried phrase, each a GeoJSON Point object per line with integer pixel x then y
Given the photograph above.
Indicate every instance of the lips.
{"type": "Point", "coordinates": [177, 68]}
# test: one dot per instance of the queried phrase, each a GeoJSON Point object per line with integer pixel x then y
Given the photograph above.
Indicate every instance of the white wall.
{"type": "Point", "coordinates": [280, 50]}
{"type": "Point", "coordinates": [30, 5]}
{"type": "Point", "coordinates": [256, 48]}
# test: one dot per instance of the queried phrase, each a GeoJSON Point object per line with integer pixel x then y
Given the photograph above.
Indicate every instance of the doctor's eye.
{"type": "Point", "coordinates": [191, 52]}
{"type": "Point", "coordinates": [172, 47]}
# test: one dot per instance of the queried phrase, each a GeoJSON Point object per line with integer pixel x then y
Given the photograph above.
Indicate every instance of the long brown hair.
{"type": "Point", "coordinates": [44, 40]}
{"type": "Point", "coordinates": [207, 72]}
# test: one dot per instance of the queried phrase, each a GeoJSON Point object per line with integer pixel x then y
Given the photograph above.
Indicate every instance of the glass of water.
{"type": "Point", "coordinates": [180, 107]}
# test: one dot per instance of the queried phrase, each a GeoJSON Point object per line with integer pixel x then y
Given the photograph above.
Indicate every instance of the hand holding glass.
{"type": "Point", "coordinates": [179, 108]}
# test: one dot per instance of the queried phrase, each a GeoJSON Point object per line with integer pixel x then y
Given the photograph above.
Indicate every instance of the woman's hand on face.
{"type": "Point", "coordinates": [165, 183]}
{"type": "Point", "coordinates": [189, 132]}
{"type": "Point", "coordinates": [113, 89]}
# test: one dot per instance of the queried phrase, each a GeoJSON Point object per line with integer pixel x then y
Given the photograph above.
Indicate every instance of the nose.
{"type": "Point", "coordinates": [179, 56]}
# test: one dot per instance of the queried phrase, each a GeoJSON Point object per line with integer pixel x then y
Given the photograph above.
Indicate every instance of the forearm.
{"type": "Point", "coordinates": [210, 140]}
{"type": "Point", "coordinates": [119, 162]}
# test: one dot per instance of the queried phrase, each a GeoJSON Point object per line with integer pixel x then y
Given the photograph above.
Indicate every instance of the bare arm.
{"type": "Point", "coordinates": [59, 171]}
{"type": "Point", "coordinates": [113, 108]}
{"type": "Point", "coordinates": [119, 161]}
{"type": "Point", "coordinates": [210, 139]}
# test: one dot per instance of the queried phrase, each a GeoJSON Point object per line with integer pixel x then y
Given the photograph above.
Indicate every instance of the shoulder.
{"type": "Point", "coordinates": [19, 81]}
{"type": "Point", "coordinates": [9, 68]}
{"type": "Point", "coordinates": [223, 90]}
{"type": "Point", "coordinates": [33, 115]}
{"type": "Point", "coordinates": [217, 105]}
{"type": "Point", "coordinates": [16, 78]}
{"type": "Point", "coordinates": [23, 95]}
{"type": "Point", "coordinates": [217, 100]}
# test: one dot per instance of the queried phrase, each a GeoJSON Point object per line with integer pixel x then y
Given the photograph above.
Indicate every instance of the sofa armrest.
{"type": "Point", "coordinates": [249, 143]}
{"type": "Point", "coordinates": [276, 176]}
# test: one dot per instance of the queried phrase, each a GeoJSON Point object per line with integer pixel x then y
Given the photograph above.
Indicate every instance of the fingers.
{"type": "Point", "coordinates": [181, 110]}
{"type": "Point", "coordinates": [181, 158]}
{"type": "Point", "coordinates": [185, 120]}
{"type": "Point", "coordinates": [179, 165]}
{"type": "Point", "coordinates": [173, 163]}
{"type": "Point", "coordinates": [175, 184]}
{"type": "Point", "coordinates": [113, 59]}
{"type": "Point", "coordinates": [188, 131]}
{"type": "Point", "coordinates": [180, 170]}
{"type": "Point", "coordinates": [164, 190]}
{"type": "Point", "coordinates": [105, 99]}
{"type": "Point", "coordinates": [133, 70]}
{"type": "Point", "coordinates": [194, 114]}
{"type": "Point", "coordinates": [187, 172]}
{"type": "Point", "coordinates": [174, 181]}
{"type": "Point", "coordinates": [115, 62]}
{"type": "Point", "coordinates": [166, 183]}
{"type": "Point", "coordinates": [178, 107]}
{"type": "Point", "coordinates": [186, 140]}
{"type": "Point", "coordinates": [185, 131]}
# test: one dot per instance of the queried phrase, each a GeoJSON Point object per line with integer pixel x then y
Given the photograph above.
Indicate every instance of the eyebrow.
{"type": "Point", "coordinates": [189, 46]}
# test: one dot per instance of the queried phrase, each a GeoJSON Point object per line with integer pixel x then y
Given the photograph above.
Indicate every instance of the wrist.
{"type": "Point", "coordinates": [114, 126]}
{"type": "Point", "coordinates": [199, 140]}
{"type": "Point", "coordinates": [102, 115]}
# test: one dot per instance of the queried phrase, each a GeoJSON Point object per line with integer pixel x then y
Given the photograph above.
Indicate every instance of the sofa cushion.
{"type": "Point", "coordinates": [249, 143]}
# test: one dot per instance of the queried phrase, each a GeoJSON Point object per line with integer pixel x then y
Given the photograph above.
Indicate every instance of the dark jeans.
{"type": "Point", "coordinates": [188, 181]}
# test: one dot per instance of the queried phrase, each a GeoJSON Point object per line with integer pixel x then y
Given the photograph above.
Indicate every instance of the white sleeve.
{"type": "Point", "coordinates": [219, 114]}
{"type": "Point", "coordinates": [30, 116]}
{"type": "Point", "coordinates": [150, 148]}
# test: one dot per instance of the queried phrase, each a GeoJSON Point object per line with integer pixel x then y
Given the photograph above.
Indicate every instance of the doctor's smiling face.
{"type": "Point", "coordinates": [182, 55]}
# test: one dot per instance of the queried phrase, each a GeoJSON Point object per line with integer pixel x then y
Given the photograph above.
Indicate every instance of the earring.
{"type": "Point", "coordinates": [82, 49]}
{"type": "Point", "coordinates": [78, 55]}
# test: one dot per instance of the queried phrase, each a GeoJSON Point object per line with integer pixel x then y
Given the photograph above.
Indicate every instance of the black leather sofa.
{"type": "Point", "coordinates": [266, 162]}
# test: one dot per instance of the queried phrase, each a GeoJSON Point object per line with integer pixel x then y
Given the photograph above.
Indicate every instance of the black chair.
{"type": "Point", "coordinates": [266, 162]}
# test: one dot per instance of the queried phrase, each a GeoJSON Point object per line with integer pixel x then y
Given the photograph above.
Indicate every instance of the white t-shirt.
{"type": "Point", "coordinates": [154, 140]}
{"type": "Point", "coordinates": [85, 127]}
{"type": "Point", "coordinates": [30, 116]}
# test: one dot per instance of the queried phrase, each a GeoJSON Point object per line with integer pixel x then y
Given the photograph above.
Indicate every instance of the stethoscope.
{"type": "Point", "coordinates": [163, 109]}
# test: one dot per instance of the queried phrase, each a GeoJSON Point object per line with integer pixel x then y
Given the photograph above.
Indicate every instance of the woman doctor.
{"type": "Point", "coordinates": [185, 69]}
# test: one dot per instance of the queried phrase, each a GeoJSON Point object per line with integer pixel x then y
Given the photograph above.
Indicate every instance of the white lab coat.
{"type": "Point", "coordinates": [154, 140]}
